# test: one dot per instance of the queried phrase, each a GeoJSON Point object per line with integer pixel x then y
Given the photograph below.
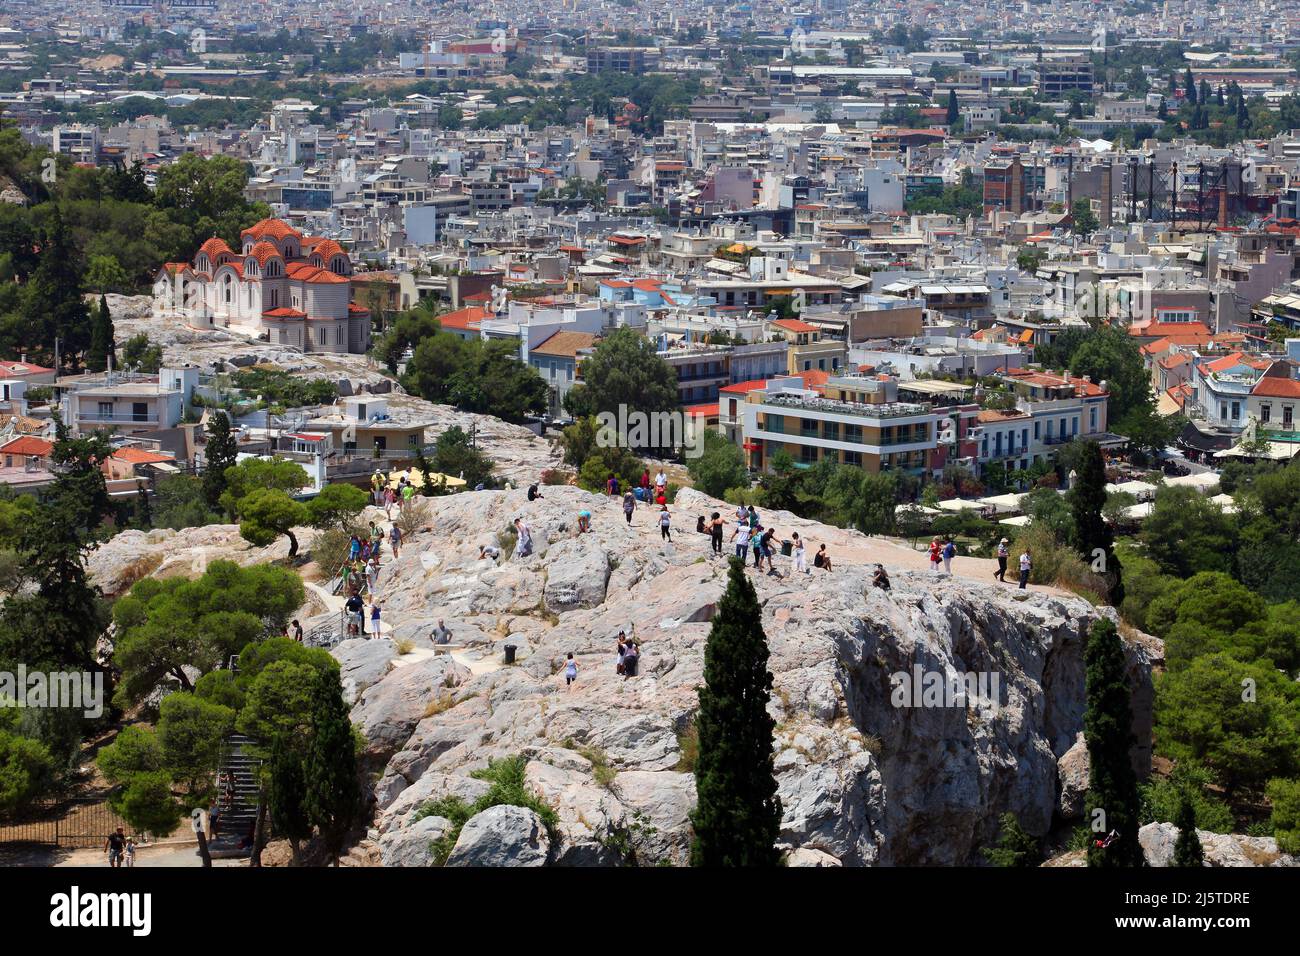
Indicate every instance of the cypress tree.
{"type": "Point", "coordinates": [1187, 851]}
{"type": "Point", "coordinates": [219, 454]}
{"type": "Point", "coordinates": [738, 814]}
{"type": "Point", "coordinates": [333, 793]}
{"type": "Point", "coordinates": [1189, 86]}
{"type": "Point", "coordinates": [1112, 804]}
{"type": "Point", "coordinates": [954, 112]}
{"type": "Point", "coordinates": [286, 792]}
{"type": "Point", "coordinates": [1091, 532]}
{"type": "Point", "coordinates": [101, 338]}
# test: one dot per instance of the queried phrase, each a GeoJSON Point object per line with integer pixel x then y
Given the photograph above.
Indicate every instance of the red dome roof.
{"type": "Point", "coordinates": [262, 251]}
{"type": "Point", "coordinates": [271, 229]}
{"type": "Point", "coordinates": [215, 247]}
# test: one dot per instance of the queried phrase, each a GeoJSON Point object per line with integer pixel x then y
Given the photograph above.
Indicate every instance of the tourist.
{"type": "Point", "coordinates": [765, 547]}
{"type": "Point", "coordinates": [661, 481]}
{"type": "Point", "coordinates": [584, 521]}
{"type": "Point", "coordinates": [1026, 565]}
{"type": "Point", "coordinates": [756, 542]}
{"type": "Point", "coordinates": [664, 520]}
{"type": "Point", "coordinates": [645, 482]}
{"type": "Point", "coordinates": [631, 657]}
{"type": "Point", "coordinates": [390, 498]}
{"type": "Point", "coordinates": [408, 492]}
{"type": "Point", "coordinates": [375, 624]}
{"type": "Point", "coordinates": [1001, 572]}
{"type": "Point", "coordinates": [881, 578]}
{"type": "Point", "coordinates": [752, 515]}
{"type": "Point", "coordinates": [297, 631]}
{"type": "Point", "coordinates": [611, 486]}
{"type": "Point", "coordinates": [356, 619]}
{"type": "Point", "coordinates": [354, 548]}
{"type": "Point", "coordinates": [629, 505]}
{"type": "Point", "coordinates": [377, 487]}
{"type": "Point", "coordinates": [570, 671]}
{"type": "Point", "coordinates": [821, 559]}
{"type": "Point", "coordinates": [395, 538]}
{"type": "Point", "coordinates": [741, 537]}
{"type": "Point", "coordinates": [949, 551]}
{"type": "Point", "coordinates": [441, 633]}
{"type": "Point", "coordinates": [489, 551]}
{"type": "Point", "coordinates": [524, 541]}
{"type": "Point", "coordinates": [130, 852]}
{"type": "Point", "coordinates": [372, 576]}
{"type": "Point", "coordinates": [115, 846]}
{"type": "Point", "coordinates": [622, 650]}
{"type": "Point", "coordinates": [800, 559]}
{"type": "Point", "coordinates": [715, 533]}
{"type": "Point", "coordinates": [936, 554]}
{"type": "Point", "coordinates": [533, 493]}
{"type": "Point", "coordinates": [742, 514]}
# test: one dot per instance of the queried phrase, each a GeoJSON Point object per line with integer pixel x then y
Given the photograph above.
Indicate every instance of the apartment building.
{"type": "Point", "coordinates": [854, 420]}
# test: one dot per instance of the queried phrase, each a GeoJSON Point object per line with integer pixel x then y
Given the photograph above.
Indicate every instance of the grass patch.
{"type": "Point", "coordinates": [508, 789]}
{"type": "Point", "coordinates": [688, 744]}
{"type": "Point", "coordinates": [440, 704]}
{"type": "Point", "coordinates": [603, 773]}
{"type": "Point", "coordinates": [508, 538]}
{"type": "Point", "coordinates": [404, 645]}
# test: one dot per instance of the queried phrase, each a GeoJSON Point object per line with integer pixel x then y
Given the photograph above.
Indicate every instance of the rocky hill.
{"type": "Point", "coordinates": [861, 780]}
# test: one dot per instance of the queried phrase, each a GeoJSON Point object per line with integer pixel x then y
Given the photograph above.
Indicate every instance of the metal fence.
{"type": "Point", "coordinates": [74, 822]}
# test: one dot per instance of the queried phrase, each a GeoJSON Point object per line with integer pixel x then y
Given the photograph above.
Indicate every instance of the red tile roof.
{"type": "Point", "coordinates": [138, 456]}
{"type": "Point", "coordinates": [28, 445]}
{"type": "Point", "coordinates": [464, 319]}
{"type": "Point", "coordinates": [275, 228]}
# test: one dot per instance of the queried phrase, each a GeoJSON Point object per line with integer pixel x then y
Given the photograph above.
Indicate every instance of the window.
{"type": "Point", "coordinates": [320, 336]}
{"type": "Point", "coordinates": [1036, 431]}
{"type": "Point", "coordinates": [139, 411]}
{"type": "Point", "coordinates": [381, 442]}
{"type": "Point", "coordinates": [1092, 419]}
{"type": "Point", "coordinates": [853, 433]}
{"type": "Point", "coordinates": [831, 431]}
{"type": "Point", "coordinates": [1074, 425]}
{"type": "Point", "coordinates": [1265, 412]}
{"type": "Point", "coordinates": [1286, 415]}
{"type": "Point", "coordinates": [412, 439]}
{"type": "Point", "coordinates": [105, 410]}
{"type": "Point", "coordinates": [1236, 411]}
{"type": "Point", "coordinates": [808, 454]}
{"type": "Point", "coordinates": [853, 458]}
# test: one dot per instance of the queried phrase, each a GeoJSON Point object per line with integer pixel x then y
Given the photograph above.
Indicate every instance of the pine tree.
{"type": "Point", "coordinates": [1112, 804]}
{"type": "Point", "coordinates": [1015, 848]}
{"type": "Point", "coordinates": [219, 454]}
{"type": "Point", "coordinates": [101, 338]}
{"type": "Point", "coordinates": [1187, 851]}
{"type": "Point", "coordinates": [1162, 113]}
{"type": "Point", "coordinates": [286, 792]}
{"type": "Point", "coordinates": [1091, 532]}
{"type": "Point", "coordinates": [333, 791]}
{"type": "Point", "coordinates": [51, 303]}
{"type": "Point", "coordinates": [954, 112]}
{"type": "Point", "coordinates": [738, 814]}
{"type": "Point", "coordinates": [1189, 86]}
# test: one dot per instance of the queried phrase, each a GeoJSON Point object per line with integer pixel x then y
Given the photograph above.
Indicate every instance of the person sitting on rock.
{"type": "Point", "coordinates": [489, 551]}
{"type": "Point", "coordinates": [881, 578]}
{"type": "Point", "coordinates": [821, 559]}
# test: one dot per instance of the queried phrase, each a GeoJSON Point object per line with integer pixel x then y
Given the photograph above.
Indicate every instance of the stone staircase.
{"type": "Point", "coordinates": [233, 836]}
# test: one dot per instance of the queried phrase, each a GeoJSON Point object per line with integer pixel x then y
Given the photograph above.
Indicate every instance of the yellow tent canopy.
{"type": "Point", "coordinates": [415, 477]}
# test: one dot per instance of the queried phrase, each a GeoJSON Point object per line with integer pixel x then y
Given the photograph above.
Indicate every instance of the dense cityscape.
{"type": "Point", "coordinates": [392, 396]}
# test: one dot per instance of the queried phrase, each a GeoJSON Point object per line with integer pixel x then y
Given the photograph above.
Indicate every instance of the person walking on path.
{"type": "Point", "coordinates": [1026, 565]}
{"type": "Point", "coordinates": [715, 533]}
{"type": "Point", "coordinates": [375, 625]}
{"type": "Point", "coordinates": [1003, 553]}
{"type": "Point", "coordinates": [664, 520]}
{"type": "Point", "coordinates": [629, 505]}
{"type": "Point", "coordinates": [390, 498]}
{"type": "Point", "coordinates": [949, 552]}
{"type": "Point", "coordinates": [395, 538]}
{"type": "Point", "coordinates": [800, 555]}
{"type": "Point", "coordinates": [741, 537]}
{"type": "Point", "coordinates": [570, 671]}
{"type": "Point", "coordinates": [115, 847]}
{"type": "Point", "coordinates": [524, 541]}
{"type": "Point", "coordinates": [611, 486]}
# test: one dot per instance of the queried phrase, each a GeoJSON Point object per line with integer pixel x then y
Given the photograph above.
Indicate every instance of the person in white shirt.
{"type": "Point", "coordinates": [741, 537]}
{"type": "Point", "coordinates": [1025, 566]}
{"type": "Point", "coordinates": [800, 558]}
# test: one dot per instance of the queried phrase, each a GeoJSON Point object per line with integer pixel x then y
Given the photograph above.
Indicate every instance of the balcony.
{"type": "Point", "coordinates": [95, 418]}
